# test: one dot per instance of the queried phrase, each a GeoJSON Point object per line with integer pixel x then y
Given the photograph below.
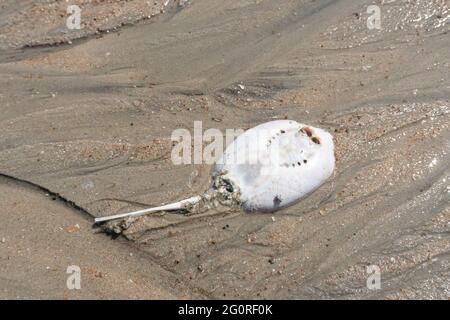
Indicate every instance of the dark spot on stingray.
{"type": "Point", "coordinates": [305, 161]}
{"type": "Point", "coordinates": [299, 163]}
{"type": "Point", "coordinates": [228, 186]}
{"type": "Point", "coordinates": [282, 131]}
{"type": "Point", "coordinates": [315, 140]}
{"type": "Point", "coordinates": [277, 201]}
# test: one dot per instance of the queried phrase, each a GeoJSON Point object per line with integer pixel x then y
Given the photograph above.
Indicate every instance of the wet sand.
{"type": "Point", "coordinates": [41, 237]}
{"type": "Point", "coordinates": [89, 114]}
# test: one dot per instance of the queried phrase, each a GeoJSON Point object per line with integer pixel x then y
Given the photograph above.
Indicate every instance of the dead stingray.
{"type": "Point", "coordinates": [269, 167]}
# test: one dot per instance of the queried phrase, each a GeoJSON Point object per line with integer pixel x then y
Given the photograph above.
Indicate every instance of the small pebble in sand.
{"type": "Point", "coordinates": [3, 240]}
{"type": "Point", "coordinates": [73, 229]}
{"type": "Point", "coordinates": [433, 163]}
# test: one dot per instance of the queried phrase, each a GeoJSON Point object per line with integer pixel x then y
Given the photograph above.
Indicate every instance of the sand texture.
{"type": "Point", "coordinates": [88, 115]}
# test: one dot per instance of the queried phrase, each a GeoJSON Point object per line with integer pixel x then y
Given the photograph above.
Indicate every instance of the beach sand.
{"type": "Point", "coordinates": [88, 115]}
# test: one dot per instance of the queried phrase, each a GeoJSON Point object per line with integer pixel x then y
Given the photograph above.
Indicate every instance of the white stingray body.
{"type": "Point", "coordinates": [270, 166]}
{"type": "Point", "coordinates": [277, 163]}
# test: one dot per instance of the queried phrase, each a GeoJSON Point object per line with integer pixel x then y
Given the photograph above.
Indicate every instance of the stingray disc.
{"type": "Point", "coordinates": [277, 163]}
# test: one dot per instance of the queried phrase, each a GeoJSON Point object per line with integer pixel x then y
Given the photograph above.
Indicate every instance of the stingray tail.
{"type": "Point", "coordinates": [168, 207]}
